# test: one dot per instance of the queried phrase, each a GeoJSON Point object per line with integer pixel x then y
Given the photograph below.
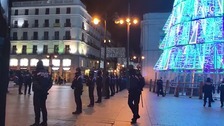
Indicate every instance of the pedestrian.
{"type": "Point", "coordinates": [91, 84]}
{"type": "Point", "coordinates": [99, 86]}
{"type": "Point", "coordinates": [221, 91]}
{"type": "Point", "coordinates": [134, 90]}
{"type": "Point", "coordinates": [41, 84]}
{"type": "Point", "coordinates": [160, 87]}
{"type": "Point", "coordinates": [112, 85]}
{"type": "Point", "coordinates": [207, 90]}
{"type": "Point", "coordinates": [117, 84]}
{"type": "Point", "coordinates": [20, 81]}
{"type": "Point", "coordinates": [78, 89]}
{"type": "Point", "coordinates": [27, 82]}
{"type": "Point", "coordinates": [107, 85]}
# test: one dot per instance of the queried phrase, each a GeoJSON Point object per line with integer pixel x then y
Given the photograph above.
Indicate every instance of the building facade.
{"type": "Point", "coordinates": [58, 32]}
{"type": "Point", "coordinates": [151, 34]}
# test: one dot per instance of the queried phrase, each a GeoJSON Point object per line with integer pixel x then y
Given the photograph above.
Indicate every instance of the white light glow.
{"type": "Point", "coordinates": [33, 62]}
{"type": "Point", "coordinates": [24, 62]}
{"type": "Point", "coordinates": [66, 62]}
{"type": "Point", "coordinates": [66, 68]}
{"type": "Point", "coordinates": [45, 62]}
{"type": "Point", "coordinates": [56, 62]}
{"type": "Point", "coordinates": [13, 62]}
{"type": "Point", "coordinates": [20, 23]}
{"type": "Point", "coordinates": [55, 68]}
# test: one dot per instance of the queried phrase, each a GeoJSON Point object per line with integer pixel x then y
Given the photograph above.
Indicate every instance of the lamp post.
{"type": "Point", "coordinates": [96, 21]}
{"type": "Point", "coordinates": [128, 22]}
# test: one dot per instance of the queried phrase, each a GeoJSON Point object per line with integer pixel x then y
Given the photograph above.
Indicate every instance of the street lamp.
{"type": "Point", "coordinates": [129, 21]}
{"type": "Point", "coordinates": [96, 21]}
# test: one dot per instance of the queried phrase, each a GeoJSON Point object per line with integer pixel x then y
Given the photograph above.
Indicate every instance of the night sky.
{"type": "Point", "coordinates": [138, 8]}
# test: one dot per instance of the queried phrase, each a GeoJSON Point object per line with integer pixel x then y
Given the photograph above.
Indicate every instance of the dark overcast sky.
{"type": "Point", "coordinates": [138, 8]}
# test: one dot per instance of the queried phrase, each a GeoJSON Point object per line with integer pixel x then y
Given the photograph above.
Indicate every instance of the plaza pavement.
{"type": "Point", "coordinates": [156, 111]}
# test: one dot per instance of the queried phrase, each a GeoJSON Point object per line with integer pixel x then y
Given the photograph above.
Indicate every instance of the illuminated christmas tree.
{"type": "Point", "coordinates": [194, 37]}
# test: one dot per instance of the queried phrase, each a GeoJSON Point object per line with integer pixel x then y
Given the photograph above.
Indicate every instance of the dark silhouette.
{"type": "Point", "coordinates": [160, 87]}
{"type": "Point", "coordinates": [27, 82]}
{"type": "Point", "coordinates": [41, 84]}
{"type": "Point", "coordinates": [207, 90]}
{"type": "Point", "coordinates": [134, 90]}
{"type": "Point", "coordinates": [107, 86]}
{"type": "Point", "coordinates": [78, 89]}
{"type": "Point", "coordinates": [99, 86]}
{"type": "Point", "coordinates": [91, 84]}
{"type": "Point", "coordinates": [221, 91]}
{"type": "Point", "coordinates": [20, 81]}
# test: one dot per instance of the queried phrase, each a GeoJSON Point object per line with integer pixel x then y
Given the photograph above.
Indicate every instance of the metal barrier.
{"type": "Point", "coordinates": [184, 89]}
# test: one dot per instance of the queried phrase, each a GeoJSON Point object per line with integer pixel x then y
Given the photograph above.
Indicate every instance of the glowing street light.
{"type": "Point", "coordinates": [128, 21]}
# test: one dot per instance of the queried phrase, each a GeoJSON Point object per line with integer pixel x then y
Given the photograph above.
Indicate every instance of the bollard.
{"type": "Point", "coordinates": [154, 86]}
{"type": "Point", "coordinates": [176, 94]}
{"type": "Point", "coordinates": [200, 90]}
{"type": "Point", "coordinates": [150, 85]}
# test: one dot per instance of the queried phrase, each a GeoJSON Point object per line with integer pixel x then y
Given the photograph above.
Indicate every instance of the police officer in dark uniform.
{"type": "Point", "coordinates": [27, 82]}
{"type": "Point", "coordinates": [107, 85]}
{"type": "Point", "coordinates": [91, 84]}
{"type": "Point", "coordinates": [221, 91]}
{"type": "Point", "coordinates": [78, 89]}
{"type": "Point", "coordinates": [160, 87]}
{"type": "Point", "coordinates": [41, 84]}
{"type": "Point", "coordinates": [99, 86]}
{"type": "Point", "coordinates": [134, 90]}
{"type": "Point", "coordinates": [207, 89]}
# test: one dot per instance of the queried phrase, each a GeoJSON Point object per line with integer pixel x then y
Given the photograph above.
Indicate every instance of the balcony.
{"type": "Point", "coordinates": [55, 37]}
{"type": "Point", "coordinates": [35, 38]}
{"type": "Point", "coordinates": [15, 26]}
{"type": "Point", "coordinates": [67, 38]}
{"type": "Point", "coordinates": [67, 25]}
{"type": "Point", "coordinates": [24, 38]}
{"type": "Point", "coordinates": [35, 25]}
{"type": "Point", "coordinates": [56, 25]}
{"type": "Point", "coordinates": [14, 38]}
{"type": "Point", "coordinates": [46, 38]}
{"type": "Point", "coordinates": [25, 25]}
{"type": "Point", "coordinates": [46, 25]}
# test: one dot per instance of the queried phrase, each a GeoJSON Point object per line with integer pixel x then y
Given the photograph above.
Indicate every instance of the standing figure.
{"type": "Point", "coordinates": [134, 90]}
{"type": "Point", "coordinates": [117, 84]}
{"type": "Point", "coordinates": [78, 89]}
{"type": "Point", "coordinates": [221, 91]}
{"type": "Point", "coordinates": [207, 90]}
{"type": "Point", "coordinates": [41, 84]}
{"type": "Point", "coordinates": [27, 82]}
{"type": "Point", "coordinates": [99, 86]}
{"type": "Point", "coordinates": [20, 81]}
{"type": "Point", "coordinates": [107, 85]}
{"type": "Point", "coordinates": [91, 84]}
{"type": "Point", "coordinates": [160, 87]}
{"type": "Point", "coordinates": [112, 85]}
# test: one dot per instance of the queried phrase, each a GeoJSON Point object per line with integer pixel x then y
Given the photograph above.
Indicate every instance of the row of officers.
{"type": "Point", "coordinates": [106, 86]}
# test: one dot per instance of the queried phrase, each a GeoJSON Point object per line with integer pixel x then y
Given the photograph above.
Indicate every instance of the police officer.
{"type": "Point", "coordinates": [134, 90]}
{"type": "Point", "coordinates": [91, 84]}
{"type": "Point", "coordinates": [27, 82]}
{"type": "Point", "coordinates": [160, 87]}
{"type": "Point", "coordinates": [221, 91]}
{"type": "Point", "coordinates": [78, 89]}
{"type": "Point", "coordinates": [41, 84]}
{"type": "Point", "coordinates": [207, 90]}
{"type": "Point", "coordinates": [99, 86]}
{"type": "Point", "coordinates": [107, 85]}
